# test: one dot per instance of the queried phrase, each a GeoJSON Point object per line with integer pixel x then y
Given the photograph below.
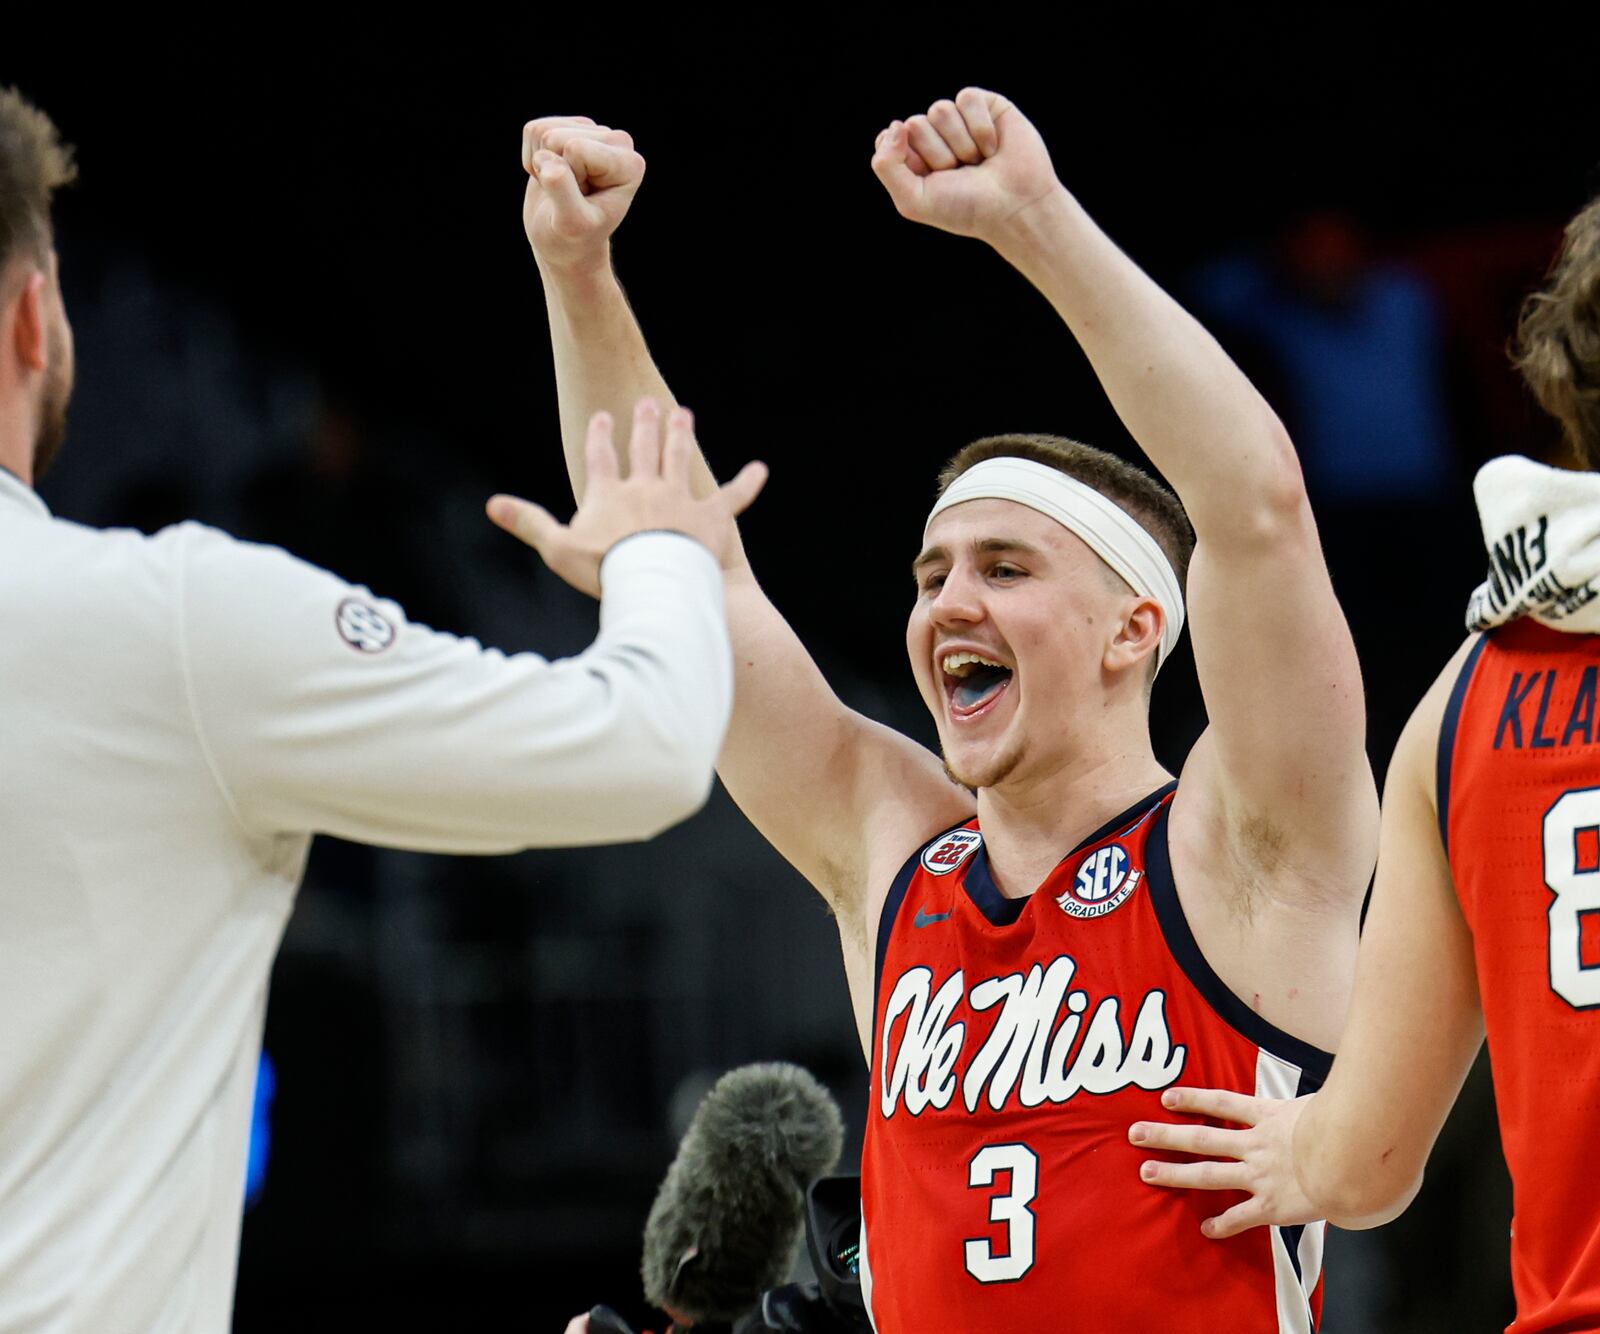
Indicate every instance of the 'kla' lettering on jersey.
{"type": "Point", "coordinates": [1045, 1046]}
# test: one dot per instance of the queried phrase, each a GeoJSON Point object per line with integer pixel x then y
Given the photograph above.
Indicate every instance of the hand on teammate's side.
{"type": "Point", "coordinates": [1258, 1160]}
{"type": "Point", "coordinates": [581, 180]}
{"type": "Point", "coordinates": [655, 495]}
{"type": "Point", "coordinates": [969, 166]}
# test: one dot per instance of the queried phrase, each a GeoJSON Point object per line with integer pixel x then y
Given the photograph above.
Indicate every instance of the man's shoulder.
{"type": "Point", "coordinates": [64, 568]}
{"type": "Point", "coordinates": [92, 615]}
{"type": "Point", "coordinates": [186, 579]}
{"type": "Point", "coordinates": [212, 565]}
{"type": "Point", "coordinates": [63, 544]}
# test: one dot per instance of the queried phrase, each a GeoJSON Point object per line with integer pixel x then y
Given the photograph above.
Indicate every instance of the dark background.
{"type": "Point", "coordinates": [305, 311]}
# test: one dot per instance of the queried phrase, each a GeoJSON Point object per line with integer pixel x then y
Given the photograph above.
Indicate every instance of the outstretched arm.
{"type": "Point", "coordinates": [320, 708]}
{"type": "Point", "coordinates": [1285, 754]}
{"type": "Point", "coordinates": [1354, 1153]}
{"type": "Point", "coordinates": [824, 785]}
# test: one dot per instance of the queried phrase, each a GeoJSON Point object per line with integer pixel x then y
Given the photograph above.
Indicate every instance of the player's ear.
{"type": "Point", "coordinates": [1136, 638]}
{"type": "Point", "coordinates": [27, 317]}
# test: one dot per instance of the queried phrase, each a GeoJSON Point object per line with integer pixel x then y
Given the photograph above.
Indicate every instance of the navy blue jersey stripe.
{"type": "Point", "coordinates": [1132, 816]}
{"type": "Point", "coordinates": [1291, 1243]}
{"type": "Point", "coordinates": [1447, 739]}
{"type": "Point", "coordinates": [1180, 940]}
{"type": "Point", "coordinates": [978, 881]}
{"type": "Point", "coordinates": [999, 910]}
{"type": "Point", "coordinates": [1310, 1081]}
{"type": "Point", "coordinates": [891, 910]}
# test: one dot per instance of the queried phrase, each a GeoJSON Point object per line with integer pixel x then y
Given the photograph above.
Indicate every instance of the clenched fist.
{"type": "Point", "coordinates": [581, 179]}
{"type": "Point", "coordinates": [969, 166]}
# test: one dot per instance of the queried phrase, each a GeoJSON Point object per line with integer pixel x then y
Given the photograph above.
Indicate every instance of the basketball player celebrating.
{"type": "Point", "coordinates": [1027, 978]}
{"type": "Point", "coordinates": [1487, 891]}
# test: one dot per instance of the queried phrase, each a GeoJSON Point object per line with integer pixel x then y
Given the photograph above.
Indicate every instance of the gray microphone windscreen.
{"type": "Point", "coordinates": [729, 1212]}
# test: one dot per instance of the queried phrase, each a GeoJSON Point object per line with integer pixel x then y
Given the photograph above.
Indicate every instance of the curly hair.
{"type": "Point", "coordinates": [34, 164]}
{"type": "Point", "coordinates": [1557, 346]}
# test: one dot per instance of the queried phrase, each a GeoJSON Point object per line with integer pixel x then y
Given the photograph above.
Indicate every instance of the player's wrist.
{"type": "Point", "coordinates": [583, 301]}
{"type": "Point", "coordinates": [1309, 1170]}
{"type": "Point", "coordinates": [577, 275]}
{"type": "Point", "coordinates": [1039, 229]}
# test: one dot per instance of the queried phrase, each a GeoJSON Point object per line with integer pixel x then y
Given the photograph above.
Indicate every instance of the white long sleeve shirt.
{"type": "Point", "coordinates": [178, 715]}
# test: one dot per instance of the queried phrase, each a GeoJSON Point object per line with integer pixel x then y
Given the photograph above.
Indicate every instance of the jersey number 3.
{"type": "Point", "coordinates": [1572, 874]}
{"type": "Point", "coordinates": [1010, 1208]}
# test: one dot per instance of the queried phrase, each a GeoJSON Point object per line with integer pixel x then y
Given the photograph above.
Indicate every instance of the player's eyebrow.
{"type": "Point", "coordinates": [984, 546]}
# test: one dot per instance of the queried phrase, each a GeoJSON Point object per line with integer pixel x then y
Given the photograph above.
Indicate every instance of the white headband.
{"type": "Point", "coordinates": [1106, 528]}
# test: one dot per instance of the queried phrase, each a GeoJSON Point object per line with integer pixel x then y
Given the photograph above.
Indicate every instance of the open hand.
{"type": "Point", "coordinates": [967, 166]}
{"type": "Point", "coordinates": [656, 495]}
{"type": "Point", "coordinates": [1258, 1160]}
{"type": "Point", "coordinates": [581, 180]}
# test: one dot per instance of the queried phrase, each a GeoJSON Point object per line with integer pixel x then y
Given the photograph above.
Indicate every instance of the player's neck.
{"type": "Point", "coordinates": [17, 432]}
{"type": "Point", "coordinates": [1030, 824]}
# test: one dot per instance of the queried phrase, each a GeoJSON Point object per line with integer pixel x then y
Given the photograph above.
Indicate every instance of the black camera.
{"type": "Point", "coordinates": [829, 1304]}
{"type": "Point", "coordinates": [832, 1303]}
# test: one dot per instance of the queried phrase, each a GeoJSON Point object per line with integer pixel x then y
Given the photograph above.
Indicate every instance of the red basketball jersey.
{"type": "Point", "coordinates": [1519, 810]}
{"type": "Point", "coordinates": [1014, 1042]}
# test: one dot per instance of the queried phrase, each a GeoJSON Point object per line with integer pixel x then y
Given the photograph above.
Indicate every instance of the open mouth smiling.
{"type": "Point", "coordinates": [972, 682]}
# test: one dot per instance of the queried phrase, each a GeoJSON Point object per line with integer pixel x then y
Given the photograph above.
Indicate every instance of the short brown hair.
{"type": "Point", "coordinates": [34, 164]}
{"type": "Point", "coordinates": [1156, 509]}
{"type": "Point", "coordinates": [1557, 347]}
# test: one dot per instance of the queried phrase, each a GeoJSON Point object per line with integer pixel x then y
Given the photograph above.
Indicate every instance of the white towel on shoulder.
{"type": "Point", "coordinates": [1542, 528]}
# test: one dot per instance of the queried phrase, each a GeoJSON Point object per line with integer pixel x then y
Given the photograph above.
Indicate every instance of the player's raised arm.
{"type": "Point", "coordinates": [582, 178]}
{"type": "Point", "coordinates": [1354, 1152]}
{"type": "Point", "coordinates": [816, 778]}
{"type": "Point", "coordinates": [1285, 754]}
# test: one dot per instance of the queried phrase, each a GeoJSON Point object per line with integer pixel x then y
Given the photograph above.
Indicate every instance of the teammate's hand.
{"type": "Point", "coordinates": [656, 495]}
{"type": "Point", "coordinates": [581, 179]}
{"type": "Point", "coordinates": [967, 166]}
{"type": "Point", "coordinates": [1258, 1160]}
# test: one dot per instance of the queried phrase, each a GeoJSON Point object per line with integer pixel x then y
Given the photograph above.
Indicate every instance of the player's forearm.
{"type": "Point", "coordinates": [1179, 394]}
{"type": "Point", "coordinates": [602, 362]}
{"type": "Point", "coordinates": [1416, 1021]}
{"type": "Point", "coordinates": [1356, 1173]}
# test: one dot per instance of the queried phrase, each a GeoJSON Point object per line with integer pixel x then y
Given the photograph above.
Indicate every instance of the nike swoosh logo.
{"type": "Point", "coordinates": [928, 918]}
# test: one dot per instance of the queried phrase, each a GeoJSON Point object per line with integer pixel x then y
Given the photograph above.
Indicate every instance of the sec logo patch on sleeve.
{"type": "Point", "coordinates": [364, 627]}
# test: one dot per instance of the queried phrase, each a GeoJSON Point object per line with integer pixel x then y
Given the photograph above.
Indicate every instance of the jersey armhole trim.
{"type": "Point", "coordinates": [1447, 739]}
{"type": "Point", "coordinates": [891, 910]}
{"type": "Point", "coordinates": [1312, 1061]}
{"type": "Point", "coordinates": [186, 675]}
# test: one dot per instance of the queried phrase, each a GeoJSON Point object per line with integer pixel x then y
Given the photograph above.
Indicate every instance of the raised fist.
{"type": "Point", "coordinates": [967, 166]}
{"type": "Point", "coordinates": [581, 179]}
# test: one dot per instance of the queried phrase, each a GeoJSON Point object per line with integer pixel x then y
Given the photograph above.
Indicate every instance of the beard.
{"type": "Point", "coordinates": [994, 771]}
{"type": "Point", "coordinates": [52, 432]}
